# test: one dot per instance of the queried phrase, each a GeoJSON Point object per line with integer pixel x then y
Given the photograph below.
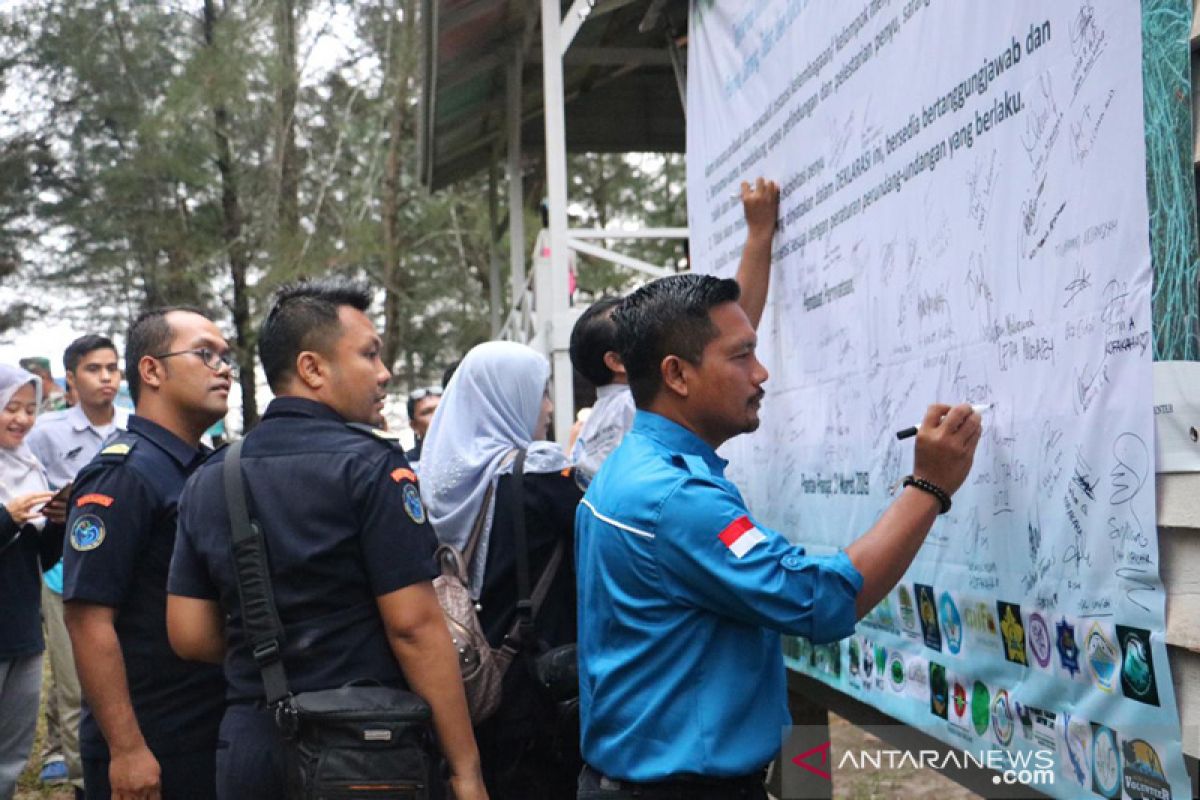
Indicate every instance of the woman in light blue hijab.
{"type": "Point", "coordinates": [25, 537]}
{"type": "Point", "coordinates": [495, 403]}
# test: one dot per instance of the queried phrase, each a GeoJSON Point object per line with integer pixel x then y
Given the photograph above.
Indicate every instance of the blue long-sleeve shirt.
{"type": "Point", "coordinates": [682, 600]}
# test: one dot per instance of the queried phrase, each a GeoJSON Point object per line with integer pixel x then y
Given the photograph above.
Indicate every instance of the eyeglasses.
{"type": "Point", "coordinates": [420, 394]}
{"type": "Point", "coordinates": [211, 358]}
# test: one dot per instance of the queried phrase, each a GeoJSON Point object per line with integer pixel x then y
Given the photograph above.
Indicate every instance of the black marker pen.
{"type": "Point", "coordinates": [908, 433]}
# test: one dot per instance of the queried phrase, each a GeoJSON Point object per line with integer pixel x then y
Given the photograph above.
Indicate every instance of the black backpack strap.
{"type": "Point", "coordinates": [260, 619]}
{"type": "Point", "coordinates": [529, 603]}
{"type": "Point", "coordinates": [524, 604]}
{"type": "Point", "coordinates": [547, 577]}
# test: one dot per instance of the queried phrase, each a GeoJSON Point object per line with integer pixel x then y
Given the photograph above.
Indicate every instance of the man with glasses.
{"type": "Point", "coordinates": [64, 441]}
{"type": "Point", "coordinates": [421, 405]}
{"type": "Point", "coordinates": [150, 719]}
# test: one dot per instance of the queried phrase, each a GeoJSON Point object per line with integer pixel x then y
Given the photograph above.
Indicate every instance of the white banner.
{"type": "Point", "coordinates": [964, 219]}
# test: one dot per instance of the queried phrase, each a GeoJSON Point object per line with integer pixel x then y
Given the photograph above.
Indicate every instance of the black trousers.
{"type": "Point", "coordinates": [529, 751]}
{"type": "Point", "coordinates": [594, 786]}
{"type": "Point", "coordinates": [250, 755]}
{"type": "Point", "coordinates": [185, 776]}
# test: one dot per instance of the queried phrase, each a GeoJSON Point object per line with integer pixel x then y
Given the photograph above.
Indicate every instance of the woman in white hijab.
{"type": "Point", "coordinates": [498, 402]}
{"type": "Point", "coordinates": [25, 537]}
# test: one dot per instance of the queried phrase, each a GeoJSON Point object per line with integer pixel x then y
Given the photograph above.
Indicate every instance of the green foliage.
{"type": "Point", "coordinates": [637, 189]}
{"type": "Point", "coordinates": [126, 173]}
{"type": "Point", "coordinates": [113, 191]}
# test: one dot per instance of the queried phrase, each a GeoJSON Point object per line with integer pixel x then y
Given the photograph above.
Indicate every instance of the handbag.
{"type": "Point", "coordinates": [482, 666]}
{"type": "Point", "coordinates": [350, 742]}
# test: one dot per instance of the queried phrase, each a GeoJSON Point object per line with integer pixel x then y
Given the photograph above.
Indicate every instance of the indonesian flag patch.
{"type": "Point", "coordinates": [740, 536]}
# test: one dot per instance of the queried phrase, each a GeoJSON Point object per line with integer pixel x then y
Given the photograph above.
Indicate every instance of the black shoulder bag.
{"type": "Point", "coordinates": [350, 742]}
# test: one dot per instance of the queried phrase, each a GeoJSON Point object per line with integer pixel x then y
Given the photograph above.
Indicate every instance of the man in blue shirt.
{"type": "Point", "coordinates": [149, 724]}
{"type": "Point", "coordinates": [683, 595]}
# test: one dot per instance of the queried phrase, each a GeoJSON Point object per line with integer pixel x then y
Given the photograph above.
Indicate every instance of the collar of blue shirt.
{"type": "Point", "coordinates": [166, 441]}
{"type": "Point", "coordinates": [677, 438]}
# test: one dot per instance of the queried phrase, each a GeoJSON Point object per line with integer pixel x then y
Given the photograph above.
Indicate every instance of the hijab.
{"type": "Point", "coordinates": [490, 407]}
{"type": "Point", "coordinates": [20, 471]}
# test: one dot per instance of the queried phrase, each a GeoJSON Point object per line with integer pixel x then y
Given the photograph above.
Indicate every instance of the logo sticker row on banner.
{"type": "Point", "coordinates": [1114, 658]}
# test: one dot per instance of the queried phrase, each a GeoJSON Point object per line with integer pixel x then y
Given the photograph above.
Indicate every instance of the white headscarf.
{"type": "Point", "coordinates": [20, 471]}
{"type": "Point", "coordinates": [490, 407]}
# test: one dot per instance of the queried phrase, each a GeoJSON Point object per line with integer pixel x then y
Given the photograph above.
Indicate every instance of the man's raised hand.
{"type": "Point", "coordinates": [946, 444]}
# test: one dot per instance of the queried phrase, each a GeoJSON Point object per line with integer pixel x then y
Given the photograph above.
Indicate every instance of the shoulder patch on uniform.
{"type": "Point", "coordinates": [412, 504]}
{"type": "Point", "coordinates": [378, 433]}
{"type": "Point", "coordinates": [118, 449]}
{"type": "Point", "coordinates": [402, 474]}
{"type": "Point", "coordinates": [87, 533]}
{"type": "Point", "coordinates": [94, 499]}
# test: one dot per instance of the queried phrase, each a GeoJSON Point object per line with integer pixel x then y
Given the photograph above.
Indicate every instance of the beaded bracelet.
{"type": "Point", "coordinates": [933, 489]}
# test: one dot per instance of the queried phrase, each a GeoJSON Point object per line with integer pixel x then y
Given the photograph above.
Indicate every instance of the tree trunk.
{"type": "Point", "coordinates": [395, 318]}
{"type": "Point", "coordinates": [287, 204]}
{"type": "Point", "coordinates": [231, 232]}
{"type": "Point", "coordinates": [401, 57]}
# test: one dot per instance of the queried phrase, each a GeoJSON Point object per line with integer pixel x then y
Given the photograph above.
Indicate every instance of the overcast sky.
{"type": "Point", "coordinates": [326, 38]}
{"type": "Point", "coordinates": [40, 339]}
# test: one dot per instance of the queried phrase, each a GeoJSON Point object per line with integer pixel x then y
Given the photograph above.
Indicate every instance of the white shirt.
{"type": "Point", "coordinates": [65, 441]}
{"type": "Point", "coordinates": [611, 419]}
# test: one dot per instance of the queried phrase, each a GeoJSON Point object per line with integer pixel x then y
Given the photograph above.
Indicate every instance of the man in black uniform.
{"type": "Point", "coordinates": [149, 724]}
{"type": "Point", "coordinates": [348, 544]}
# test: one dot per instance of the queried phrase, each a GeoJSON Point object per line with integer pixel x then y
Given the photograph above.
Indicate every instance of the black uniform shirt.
{"type": "Point", "coordinates": [343, 522]}
{"type": "Point", "coordinates": [120, 535]}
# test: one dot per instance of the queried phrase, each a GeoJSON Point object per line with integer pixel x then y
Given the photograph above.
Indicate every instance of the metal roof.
{"type": "Point", "coordinates": [621, 90]}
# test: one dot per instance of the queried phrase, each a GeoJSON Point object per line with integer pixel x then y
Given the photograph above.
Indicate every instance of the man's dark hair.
{"type": "Point", "coordinates": [149, 335]}
{"type": "Point", "coordinates": [417, 395]}
{"type": "Point", "coordinates": [79, 348]}
{"type": "Point", "coordinates": [594, 335]}
{"type": "Point", "coordinates": [304, 316]}
{"type": "Point", "coordinates": [449, 371]}
{"type": "Point", "coordinates": [667, 317]}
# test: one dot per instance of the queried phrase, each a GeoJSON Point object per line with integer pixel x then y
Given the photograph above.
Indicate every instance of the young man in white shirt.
{"type": "Point", "coordinates": [64, 441]}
